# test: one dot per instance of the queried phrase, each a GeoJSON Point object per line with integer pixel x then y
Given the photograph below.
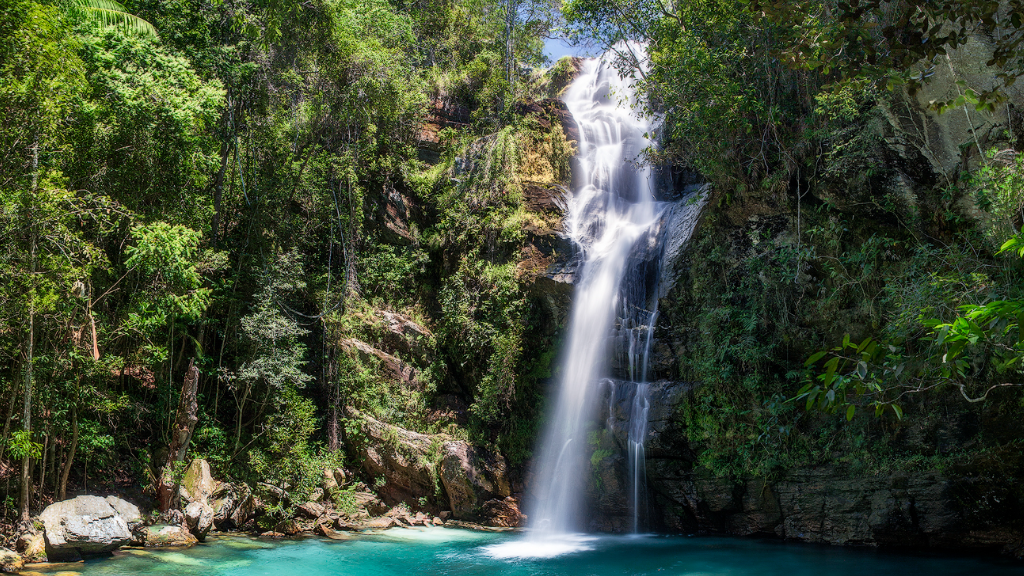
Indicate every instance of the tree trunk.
{"type": "Point", "coordinates": [26, 422]}
{"type": "Point", "coordinates": [92, 322]}
{"type": "Point", "coordinates": [511, 15]}
{"type": "Point", "coordinates": [41, 487]}
{"type": "Point", "coordinates": [333, 442]}
{"type": "Point", "coordinates": [218, 183]}
{"type": "Point", "coordinates": [15, 389]}
{"type": "Point", "coordinates": [351, 275]}
{"type": "Point", "coordinates": [181, 435]}
{"type": "Point", "coordinates": [62, 490]}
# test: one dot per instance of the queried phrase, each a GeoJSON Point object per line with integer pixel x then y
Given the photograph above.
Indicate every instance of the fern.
{"type": "Point", "coordinates": [109, 13]}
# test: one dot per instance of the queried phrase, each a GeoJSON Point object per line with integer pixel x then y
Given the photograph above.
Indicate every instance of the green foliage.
{"type": "Point", "coordinates": [897, 44]}
{"type": "Point", "coordinates": [147, 126]}
{"type": "Point", "coordinates": [168, 256]}
{"type": "Point", "coordinates": [204, 161]}
{"type": "Point", "coordinates": [999, 190]}
{"type": "Point", "coordinates": [389, 273]}
{"type": "Point", "coordinates": [288, 459]}
{"type": "Point", "coordinates": [109, 13]}
{"type": "Point", "coordinates": [21, 445]}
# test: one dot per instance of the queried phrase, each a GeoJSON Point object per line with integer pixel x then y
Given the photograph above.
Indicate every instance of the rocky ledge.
{"type": "Point", "coordinates": [973, 506]}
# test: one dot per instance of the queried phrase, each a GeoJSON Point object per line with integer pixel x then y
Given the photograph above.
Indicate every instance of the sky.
{"type": "Point", "coordinates": [555, 48]}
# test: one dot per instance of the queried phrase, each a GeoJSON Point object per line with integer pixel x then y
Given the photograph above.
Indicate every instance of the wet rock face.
{"type": "Point", "coordinates": [827, 505]}
{"type": "Point", "coordinates": [974, 506]}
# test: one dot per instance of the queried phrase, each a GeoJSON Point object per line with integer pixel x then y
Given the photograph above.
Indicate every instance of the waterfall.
{"type": "Point", "coordinates": [619, 229]}
{"type": "Point", "coordinates": [613, 220]}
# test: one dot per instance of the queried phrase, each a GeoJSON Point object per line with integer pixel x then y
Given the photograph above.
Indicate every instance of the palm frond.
{"type": "Point", "coordinates": [111, 13]}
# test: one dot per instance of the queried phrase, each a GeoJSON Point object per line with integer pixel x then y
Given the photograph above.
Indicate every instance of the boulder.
{"type": "Point", "coordinates": [162, 536]}
{"type": "Point", "coordinates": [246, 510]}
{"type": "Point", "coordinates": [83, 525]}
{"type": "Point", "coordinates": [199, 519]}
{"type": "Point", "coordinates": [311, 510]}
{"type": "Point", "coordinates": [130, 513]}
{"type": "Point", "coordinates": [290, 527]}
{"type": "Point", "coordinates": [198, 483]}
{"type": "Point", "coordinates": [471, 476]}
{"type": "Point", "coordinates": [369, 503]}
{"type": "Point", "coordinates": [330, 485]}
{"type": "Point", "coordinates": [503, 513]}
{"type": "Point", "coordinates": [381, 523]}
{"type": "Point", "coordinates": [10, 561]}
{"type": "Point", "coordinates": [32, 546]}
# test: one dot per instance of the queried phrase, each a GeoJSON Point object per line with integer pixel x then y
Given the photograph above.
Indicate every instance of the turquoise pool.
{"type": "Point", "coordinates": [436, 551]}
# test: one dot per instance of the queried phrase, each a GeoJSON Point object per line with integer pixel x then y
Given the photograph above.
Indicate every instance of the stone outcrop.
{"type": "Point", "coordinates": [32, 546]}
{"type": "Point", "coordinates": [166, 536]}
{"type": "Point", "coordinates": [406, 337]}
{"type": "Point", "coordinates": [392, 366]}
{"type": "Point", "coordinates": [471, 477]}
{"type": "Point", "coordinates": [10, 561]}
{"type": "Point", "coordinates": [198, 484]}
{"type": "Point", "coordinates": [971, 507]}
{"type": "Point", "coordinates": [131, 514]}
{"type": "Point", "coordinates": [234, 506]}
{"type": "Point", "coordinates": [199, 519]}
{"type": "Point", "coordinates": [503, 513]}
{"type": "Point", "coordinates": [82, 526]}
{"type": "Point", "coordinates": [400, 456]}
{"type": "Point", "coordinates": [410, 463]}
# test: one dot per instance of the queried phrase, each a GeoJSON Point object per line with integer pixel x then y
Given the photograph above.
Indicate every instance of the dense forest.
{"type": "Point", "coordinates": [306, 216]}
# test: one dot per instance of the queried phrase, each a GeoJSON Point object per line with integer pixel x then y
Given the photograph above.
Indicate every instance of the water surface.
{"type": "Point", "coordinates": [436, 551]}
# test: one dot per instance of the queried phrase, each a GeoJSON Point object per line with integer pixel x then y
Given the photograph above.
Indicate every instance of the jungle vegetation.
{"type": "Point", "coordinates": [247, 187]}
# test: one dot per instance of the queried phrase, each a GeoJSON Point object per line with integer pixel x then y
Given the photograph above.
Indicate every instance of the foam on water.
{"type": "Point", "coordinates": [549, 547]}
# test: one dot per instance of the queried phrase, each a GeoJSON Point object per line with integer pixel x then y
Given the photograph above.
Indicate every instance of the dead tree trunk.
{"type": "Point", "coordinates": [181, 435]}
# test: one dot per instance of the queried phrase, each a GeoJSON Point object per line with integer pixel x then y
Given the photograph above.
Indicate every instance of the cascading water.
{"type": "Point", "coordinates": [618, 227]}
{"type": "Point", "coordinates": [612, 214]}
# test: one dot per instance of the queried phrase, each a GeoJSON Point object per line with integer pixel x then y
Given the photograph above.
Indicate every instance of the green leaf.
{"type": "Point", "coordinates": [899, 411]}
{"type": "Point", "coordinates": [849, 412]}
{"type": "Point", "coordinates": [815, 357]}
